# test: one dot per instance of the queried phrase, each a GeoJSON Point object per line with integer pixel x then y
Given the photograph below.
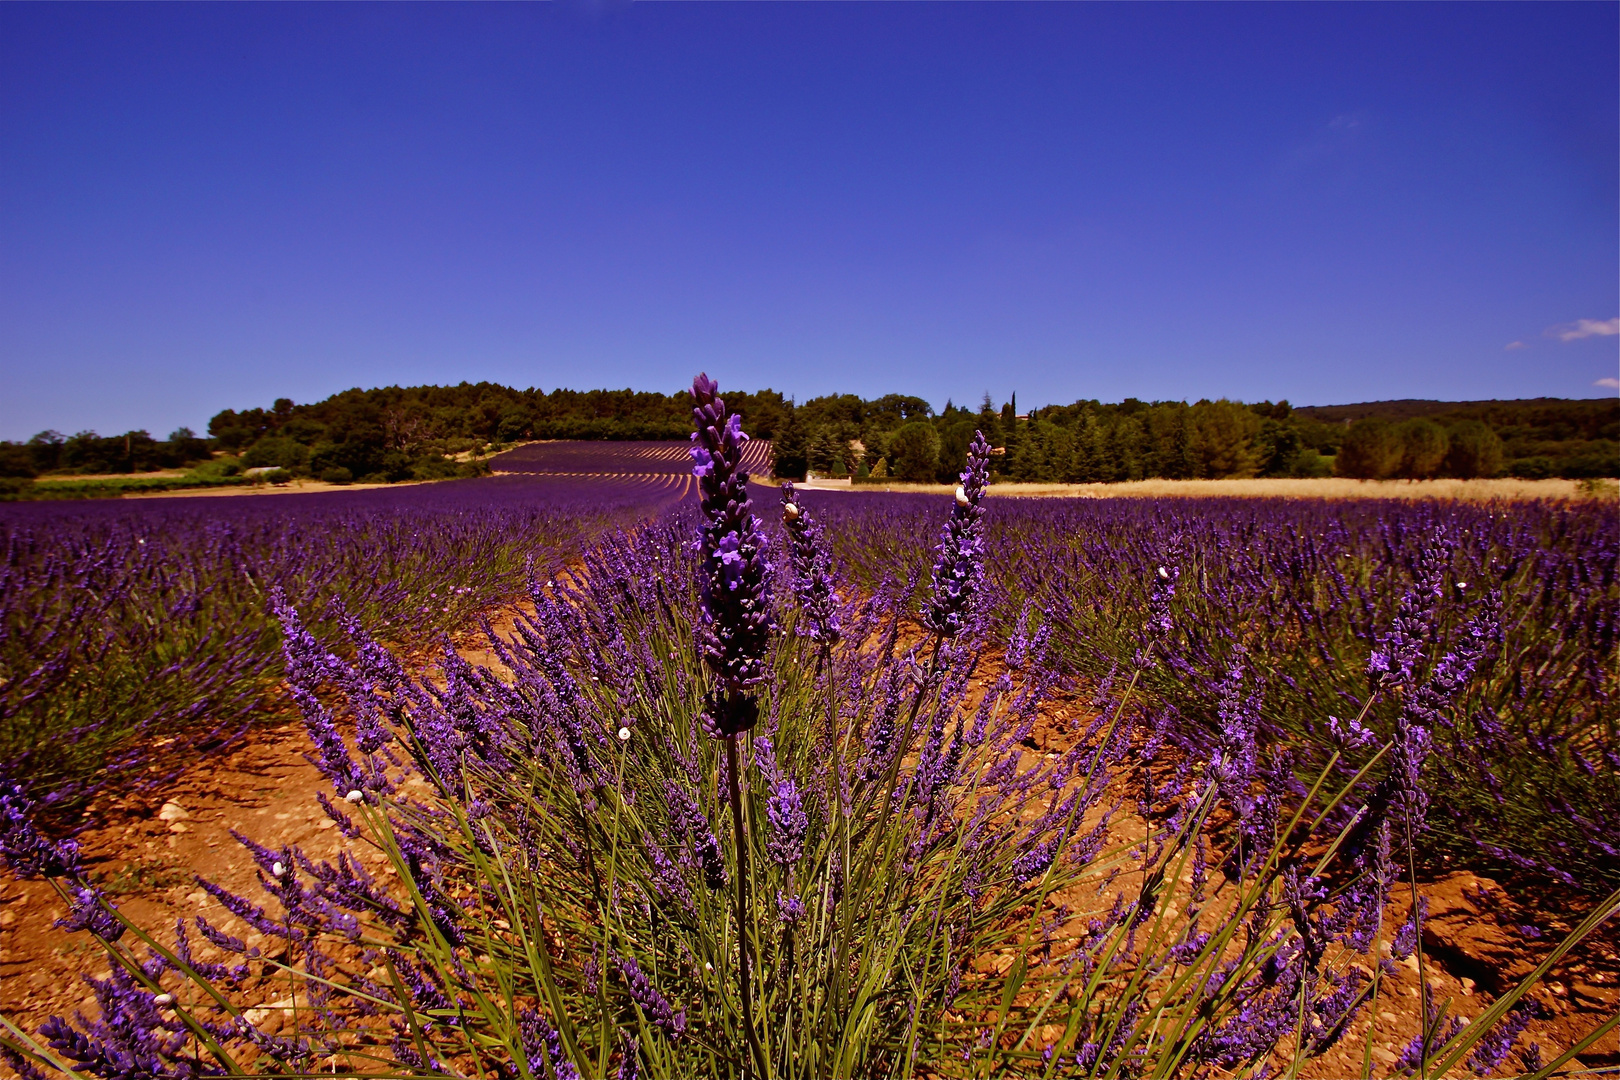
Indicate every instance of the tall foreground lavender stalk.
{"type": "Point", "coordinates": [736, 627]}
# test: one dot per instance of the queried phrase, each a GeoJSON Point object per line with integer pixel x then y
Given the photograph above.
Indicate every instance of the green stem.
{"type": "Point", "coordinates": [1423, 973]}
{"type": "Point", "coordinates": [743, 937]}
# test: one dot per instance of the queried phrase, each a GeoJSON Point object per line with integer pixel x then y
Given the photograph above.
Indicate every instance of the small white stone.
{"type": "Point", "coordinates": [173, 811]}
{"type": "Point", "coordinates": [624, 734]}
{"type": "Point", "coordinates": [355, 797]}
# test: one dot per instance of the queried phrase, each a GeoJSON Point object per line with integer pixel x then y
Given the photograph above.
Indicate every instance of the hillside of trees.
{"type": "Point", "coordinates": [400, 433]}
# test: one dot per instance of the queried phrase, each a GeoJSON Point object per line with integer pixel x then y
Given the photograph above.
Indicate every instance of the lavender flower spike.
{"type": "Point", "coordinates": [959, 570]}
{"type": "Point", "coordinates": [812, 570]}
{"type": "Point", "coordinates": [785, 809]}
{"type": "Point", "coordinates": [23, 850]}
{"type": "Point", "coordinates": [734, 576]}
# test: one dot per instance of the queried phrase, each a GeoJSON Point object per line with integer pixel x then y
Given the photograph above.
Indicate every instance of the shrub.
{"type": "Point", "coordinates": [276, 451]}
{"type": "Point", "coordinates": [16, 461]}
{"type": "Point", "coordinates": [337, 475]}
{"type": "Point", "coordinates": [1532, 468]}
{"type": "Point", "coordinates": [435, 467]}
{"type": "Point", "coordinates": [1603, 459]}
{"type": "Point", "coordinates": [1308, 463]}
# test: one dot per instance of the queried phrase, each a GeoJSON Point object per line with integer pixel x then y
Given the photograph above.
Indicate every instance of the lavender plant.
{"type": "Point", "coordinates": [1529, 770]}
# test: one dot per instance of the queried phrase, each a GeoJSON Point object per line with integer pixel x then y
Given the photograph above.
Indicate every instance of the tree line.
{"type": "Point", "coordinates": [1094, 442]}
{"type": "Point", "coordinates": [400, 433]}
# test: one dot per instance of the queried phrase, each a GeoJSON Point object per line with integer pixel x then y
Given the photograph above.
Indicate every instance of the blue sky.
{"type": "Point", "coordinates": [205, 206]}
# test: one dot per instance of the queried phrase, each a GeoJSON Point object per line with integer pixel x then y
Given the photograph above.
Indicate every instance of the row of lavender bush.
{"type": "Point", "coordinates": [1529, 773]}
{"type": "Point", "coordinates": [693, 827]}
{"type": "Point", "coordinates": [134, 635]}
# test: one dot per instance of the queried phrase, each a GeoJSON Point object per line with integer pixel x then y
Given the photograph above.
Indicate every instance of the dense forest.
{"type": "Point", "coordinates": [428, 432]}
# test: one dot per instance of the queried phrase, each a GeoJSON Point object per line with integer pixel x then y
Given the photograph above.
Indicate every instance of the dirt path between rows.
{"type": "Point", "coordinates": [148, 858]}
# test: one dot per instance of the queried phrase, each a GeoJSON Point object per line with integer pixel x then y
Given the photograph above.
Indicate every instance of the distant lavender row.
{"type": "Point", "coordinates": [670, 457]}
{"type": "Point", "coordinates": [127, 624]}
{"type": "Point", "coordinates": [1528, 772]}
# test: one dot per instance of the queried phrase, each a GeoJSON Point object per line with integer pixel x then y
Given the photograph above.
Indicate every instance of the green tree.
{"type": "Point", "coordinates": [1280, 444]}
{"type": "Point", "coordinates": [953, 448]}
{"type": "Point", "coordinates": [914, 452]}
{"type": "Point", "coordinates": [1120, 459]}
{"type": "Point", "coordinates": [1086, 464]}
{"type": "Point", "coordinates": [1372, 450]}
{"type": "Point", "coordinates": [1476, 450]}
{"type": "Point", "coordinates": [516, 423]}
{"type": "Point", "coordinates": [45, 450]}
{"type": "Point", "coordinates": [1168, 441]}
{"type": "Point", "coordinates": [989, 422]}
{"type": "Point", "coordinates": [1224, 440]}
{"type": "Point", "coordinates": [826, 451]}
{"type": "Point", "coordinates": [276, 452]}
{"type": "Point", "coordinates": [789, 453]}
{"type": "Point", "coordinates": [1423, 448]}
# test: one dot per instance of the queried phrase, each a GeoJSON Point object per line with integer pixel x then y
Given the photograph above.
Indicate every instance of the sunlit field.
{"type": "Point", "coordinates": [628, 765]}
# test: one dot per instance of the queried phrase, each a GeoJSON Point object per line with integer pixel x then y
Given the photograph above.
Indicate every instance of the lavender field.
{"type": "Point", "coordinates": [165, 602]}
{"type": "Point", "coordinates": [777, 783]}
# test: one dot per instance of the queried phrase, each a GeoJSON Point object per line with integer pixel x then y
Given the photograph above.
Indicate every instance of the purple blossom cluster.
{"type": "Point", "coordinates": [735, 575]}
{"type": "Point", "coordinates": [810, 563]}
{"type": "Point", "coordinates": [959, 567]}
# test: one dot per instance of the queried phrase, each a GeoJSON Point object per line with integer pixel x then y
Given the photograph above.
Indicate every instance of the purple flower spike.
{"type": "Point", "coordinates": [653, 1003]}
{"type": "Point", "coordinates": [959, 569]}
{"type": "Point", "coordinates": [788, 823]}
{"type": "Point", "coordinates": [1233, 765]}
{"type": "Point", "coordinates": [812, 570]}
{"type": "Point", "coordinates": [544, 1048]}
{"type": "Point", "coordinates": [736, 619]}
{"type": "Point", "coordinates": [23, 850]}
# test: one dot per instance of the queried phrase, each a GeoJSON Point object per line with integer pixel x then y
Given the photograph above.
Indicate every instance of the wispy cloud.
{"type": "Point", "coordinates": [1329, 143]}
{"type": "Point", "coordinates": [1584, 328]}
{"type": "Point", "coordinates": [1510, 346]}
{"type": "Point", "coordinates": [1612, 384]}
